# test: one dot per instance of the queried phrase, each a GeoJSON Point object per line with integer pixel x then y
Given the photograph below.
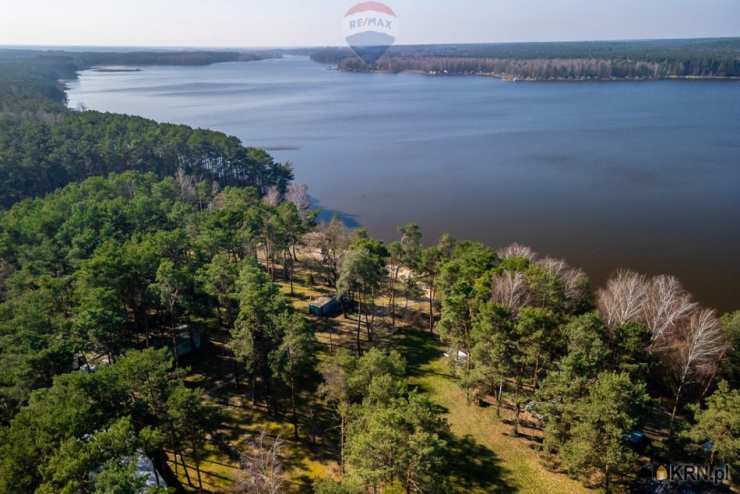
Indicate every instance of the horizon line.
{"type": "Point", "coordinates": [295, 47]}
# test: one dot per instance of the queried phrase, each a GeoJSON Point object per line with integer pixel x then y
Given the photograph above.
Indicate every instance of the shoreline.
{"type": "Point", "coordinates": [511, 78]}
{"type": "Point", "coordinates": [595, 274]}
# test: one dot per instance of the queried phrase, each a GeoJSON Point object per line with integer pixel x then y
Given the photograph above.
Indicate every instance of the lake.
{"type": "Point", "coordinates": [607, 175]}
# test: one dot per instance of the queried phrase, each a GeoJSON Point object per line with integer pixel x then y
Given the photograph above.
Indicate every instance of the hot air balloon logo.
{"type": "Point", "coordinates": [370, 28]}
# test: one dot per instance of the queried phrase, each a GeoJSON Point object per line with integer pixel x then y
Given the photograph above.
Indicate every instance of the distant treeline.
{"type": "Point", "coordinates": [659, 59]}
{"type": "Point", "coordinates": [29, 79]}
{"type": "Point", "coordinates": [31, 83]}
{"type": "Point", "coordinates": [44, 146]}
{"type": "Point", "coordinates": [168, 58]}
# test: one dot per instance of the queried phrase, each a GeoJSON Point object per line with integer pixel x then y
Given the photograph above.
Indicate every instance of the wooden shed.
{"type": "Point", "coordinates": [189, 339]}
{"type": "Point", "coordinates": [325, 307]}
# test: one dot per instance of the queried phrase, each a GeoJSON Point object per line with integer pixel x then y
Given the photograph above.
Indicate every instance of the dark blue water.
{"type": "Point", "coordinates": [606, 175]}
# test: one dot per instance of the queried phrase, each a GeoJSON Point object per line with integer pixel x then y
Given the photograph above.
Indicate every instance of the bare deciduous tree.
{"type": "Point", "coordinates": [298, 195]}
{"type": "Point", "coordinates": [666, 304]}
{"type": "Point", "coordinates": [577, 284]}
{"type": "Point", "coordinates": [623, 298]}
{"type": "Point", "coordinates": [575, 281]}
{"type": "Point", "coordinates": [262, 467]}
{"type": "Point", "coordinates": [332, 242]}
{"type": "Point", "coordinates": [700, 345]}
{"type": "Point", "coordinates": [509, 289]}
{"type": "Point", "coordinates": [187, 185]}
{"type": "Point", "coordinates": [272, 197]}
{"type": "Point", "coordinates": [660, 303]}
{"type": "Point", "coordinates": [557, 267]}
{"type": "Point", "coordinates": [688, 339]}
{"type": "Point", "coordinates": [517, 250]}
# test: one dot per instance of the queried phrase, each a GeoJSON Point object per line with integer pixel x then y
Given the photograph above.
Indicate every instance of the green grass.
{"type": "Point", "coordinates": [212, 370]}
{"type": "Point", "coordinates": [485, 457]}
{"type": "Point", "coordinates": [303, 463]}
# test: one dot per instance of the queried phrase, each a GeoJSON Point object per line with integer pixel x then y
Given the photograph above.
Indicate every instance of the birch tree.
{"type": "Point", "coordinates": [701, 344]}
{"type": "Point", "coordinates": [298, 195]}
{"type": "Point", "coordinates": [623, 298]}
{"type": "Point", "coordinates": [665, 305]}
{"type": "Point", "coordinates": [517, 250]}
{"type": "Point", "coordinates": [575, 283]}
{"type": "Point", "coordinates": [510, 290]}
{"type": "Point", "coordinates": [272, 197]}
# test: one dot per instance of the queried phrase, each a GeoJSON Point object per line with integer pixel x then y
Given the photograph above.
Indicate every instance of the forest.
{"type": "Point", "coordinates": [448, 366]}
{"type": "Point", "coordinates": [31, 80]}
{"type": "Point", "coordinates": [597, 60]}
{"type": "Point", "coordinates": [43, 146]}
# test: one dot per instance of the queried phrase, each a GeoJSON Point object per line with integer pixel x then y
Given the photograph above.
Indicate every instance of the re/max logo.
{"type": "Point", "coordinates": [367, 22]}
{"type": "Point", "coordinates": [681, 472]}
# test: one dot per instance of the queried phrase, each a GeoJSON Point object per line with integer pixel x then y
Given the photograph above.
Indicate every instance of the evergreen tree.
{"type": "Point", "coordinates": [295, 359]}
{"type": "Point", "coordinates": [597, 439]}
{"type": "Point", "coordinates": [718, 425]}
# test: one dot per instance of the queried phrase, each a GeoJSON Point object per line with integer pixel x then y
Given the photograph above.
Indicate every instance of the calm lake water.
{"type": "Point", "coordinates": [606, 175]}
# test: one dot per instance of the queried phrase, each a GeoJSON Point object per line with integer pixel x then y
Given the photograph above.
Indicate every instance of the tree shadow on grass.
{"type": "Point", "coordinates": [474, 467]}
{"type": "Point", "coordinates": [238, 429]}
{"type": "Point", "coordinates": [419, 348]}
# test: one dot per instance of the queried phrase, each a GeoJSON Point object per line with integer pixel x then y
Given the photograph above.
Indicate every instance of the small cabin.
{"type": "Point", "coordinates": [189, 339]}
{"type": "Point", "coordinates": [325, 307]}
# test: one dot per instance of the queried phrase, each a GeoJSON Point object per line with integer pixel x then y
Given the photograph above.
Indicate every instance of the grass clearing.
{"type": "Point", "coordinates": [484, 457]}
{"type": "Point", "coordinates": [500, 462]}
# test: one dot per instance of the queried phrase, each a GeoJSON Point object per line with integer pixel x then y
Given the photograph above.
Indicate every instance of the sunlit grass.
{"type": "Point", "coordinates": [516, 460]}
{"type": "Point", "coordinates": [243, 422]}
{"type": "Point", "coordinates": [484, 457]}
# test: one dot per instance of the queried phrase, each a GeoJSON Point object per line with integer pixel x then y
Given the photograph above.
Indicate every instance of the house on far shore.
{"type": "Point", "coordinates": [325, 307]}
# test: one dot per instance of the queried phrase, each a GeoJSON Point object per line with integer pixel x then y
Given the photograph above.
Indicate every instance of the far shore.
{"type": "Point", "coordinates": [512, 78]}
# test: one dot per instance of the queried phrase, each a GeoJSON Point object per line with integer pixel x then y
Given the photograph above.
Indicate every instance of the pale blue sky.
{"type": "Point", "coordinates": [248, 23]}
